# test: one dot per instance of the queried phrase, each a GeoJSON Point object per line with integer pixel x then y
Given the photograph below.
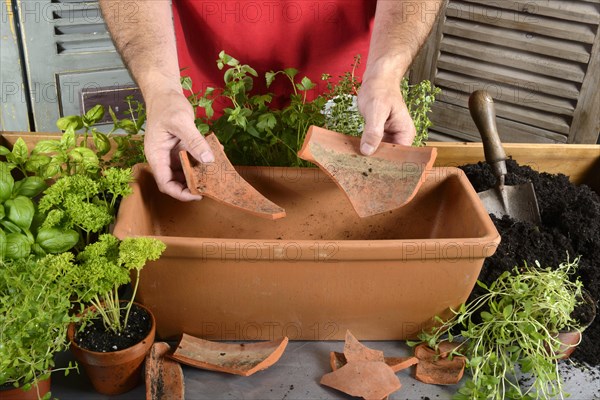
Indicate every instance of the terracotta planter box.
{"type": "Point", "coordinates": [228, 275]}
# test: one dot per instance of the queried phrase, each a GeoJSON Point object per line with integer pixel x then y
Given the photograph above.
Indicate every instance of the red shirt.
{"type": "Point", "coordinates": [313, 36]}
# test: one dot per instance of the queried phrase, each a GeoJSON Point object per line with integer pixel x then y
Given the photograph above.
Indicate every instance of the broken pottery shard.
{"type": "Point", "coordinates": [367, 379]}
{"type": "Point", "coordinates": [239, 359]}
{"type": "Point", "coordinates": [355, 351]}
{"type": "Point", "coordinates": [434, 369]}
{"type": "Point", "coordinates": [220, 181]}
{"type": "Point", "coordinates": [374, 184]}
{"type": "Point", "coordinates": [164, 377]}
{"type": "Point", "coordinates": [338, 360]}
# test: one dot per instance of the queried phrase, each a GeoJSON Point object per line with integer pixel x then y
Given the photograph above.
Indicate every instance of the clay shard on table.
{"type": "Point", "coordinates": [164, 377]}
{"type": "Point", "coordinates": [356, 351]}
{"type": "Point", "coordinates": [367, 379]}
{"type": "Point", "coordinates": [374, 184]}
{"type": "Point", "coordinates": [220, 181]}
{"type": "Point", "coordinates": [338, 360]}
{"type": "Point", "coordinates": [437, 370]}
{"type": "Point", "coordinates": [242, 359]}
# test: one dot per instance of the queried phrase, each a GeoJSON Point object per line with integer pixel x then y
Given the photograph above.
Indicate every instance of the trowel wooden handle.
{"type": "Point", "coordinates": [483, 112]}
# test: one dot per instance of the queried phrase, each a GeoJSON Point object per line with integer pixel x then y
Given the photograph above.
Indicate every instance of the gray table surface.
{"type": "Point", "coordinates": [296, 376]}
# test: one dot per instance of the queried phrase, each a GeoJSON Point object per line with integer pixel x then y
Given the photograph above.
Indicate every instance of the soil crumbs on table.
{"type": "Point", "coordinates": [96, 338]}
{"type": "Point", "coordinates": [570, 223]}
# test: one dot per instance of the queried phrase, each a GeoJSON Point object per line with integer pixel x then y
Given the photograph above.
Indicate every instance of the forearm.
{"type": "Point", "coordinates": [401, 27]}
{"type": "Point", "coordinates": [142, 31]}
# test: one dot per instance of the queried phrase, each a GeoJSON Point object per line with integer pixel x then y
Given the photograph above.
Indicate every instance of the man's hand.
{"type": "Point", "coordinates": [386, 115]}
{"type": "Point", "coordinates": [399, 31]}
{"type": "Point", "coordinates": [170, 128]}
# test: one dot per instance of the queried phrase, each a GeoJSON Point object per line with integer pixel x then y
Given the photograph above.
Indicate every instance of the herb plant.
{"type": "Point", "coordinates": [251, 131]}
{"type": "Point", "coordinates": [103, 266]}
{"type": "Point", "coordinates": [34, 315]}
{"type": "Point", "coordinates": [510, 329]}
{"type": "Point", "coordinates": [254, 132]}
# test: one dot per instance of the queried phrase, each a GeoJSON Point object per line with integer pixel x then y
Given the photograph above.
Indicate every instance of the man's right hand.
{"type": "Point", "coordinates": [170, 128]}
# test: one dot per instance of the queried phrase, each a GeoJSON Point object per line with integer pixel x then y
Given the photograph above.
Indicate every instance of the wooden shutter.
{"type": "Point", "coordinates": [67, 50]}
{"type": "Point", "coordinates": [539, 59]}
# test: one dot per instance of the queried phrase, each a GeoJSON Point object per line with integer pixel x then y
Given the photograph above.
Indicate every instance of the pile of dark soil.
{"type": "Point", "coordinates": [95, 337]}
{"type": "Point", "coordinates": [570, 224]}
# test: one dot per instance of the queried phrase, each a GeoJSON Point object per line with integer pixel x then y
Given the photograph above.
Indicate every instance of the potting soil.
{"type": "Point", "coordinates": [95, 337]}
{"type": "Point", "coordinates": [570, 224]}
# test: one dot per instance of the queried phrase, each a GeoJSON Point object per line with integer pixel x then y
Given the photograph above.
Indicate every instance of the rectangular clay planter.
{"type": "Point", "coordinates": [228, 275]}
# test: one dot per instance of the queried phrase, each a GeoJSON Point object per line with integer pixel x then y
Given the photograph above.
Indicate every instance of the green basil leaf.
{"type": "Point", "coordinates": [71, 122]}
{"type": "Point", "coordinates": [68, 139]}
{"type": "Point", "coordinates": [20, 211]}
{"type": "Point", "coordinates": [10, 226]}
{"type": "Point", "coordinates": [17, 245]}
{"type": "Point", "coordinates": [101, 142]}
{"type": "Point", "coordinates": [54, 240]}
{"type": "Point", "coordinates": [85, 158]}
{"type": "Point", "coordinates": [2, 213]}
{"type": "Point", "coordinates": [128, 126]}
{"type": "Point", "coordinates": [20, 151]}
{"type": "Point", "coordinates": [7, 182]}
{"type": "Point", "coordinates": [31, 186]}
{"type": "Point", "coordinates": [3, 243]}
{"type": "Point", "coordinates": [47, 146]}
{"type": "Point", "coordinates": [37, 162]}
{"type": "Point", "coordinates": [4, 151]}
{"type": "Point", "coordinates": [94, 114]}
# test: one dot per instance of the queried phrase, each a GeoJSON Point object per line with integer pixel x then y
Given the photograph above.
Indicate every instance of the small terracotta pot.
{"type": "Point", "coordinates": [37, 391]}
{"type": "Point", "coordinates": [118, 371]}
{"type": "Point", "coordinates": [570, 339]}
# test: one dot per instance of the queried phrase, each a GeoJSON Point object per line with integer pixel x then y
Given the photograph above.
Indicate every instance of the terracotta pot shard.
{"type": "Point", "coordinates": [384, 181]}
{"type": "Point", "coordinates": [356, 351]}
{"type": "Point", "coordinates": [242, 359]}
{"type": "Point", "coordinates": [220, 181]}
{"type": "Point", "coordinates": [432, 368]}
{"type": "Point", "coordinates": [338, 360]}
{"type": "Point", "coordinates": [164, 377]}
{"type": "Point", "coordinates": [367, 379]}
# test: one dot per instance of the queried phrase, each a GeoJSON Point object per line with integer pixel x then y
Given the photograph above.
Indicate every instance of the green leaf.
{"type": "Point", "coordinates": [270, 76]}
{"type": "Point", "coordinates": [128, 126]}
{"type": "Point", "coordinates": [31, 186]}
{"type": "Point", "coordinates": [37, 162]}
{"type": "Point", "coordinates": [20, 151]}
{"type": "Point", "coordinates": [17, 246]}
{"type": "Point", "coordinates": [46, 146]}
{"type": "Point", "coordinates": [486, 316]}
{"type": "Point", "coordinates": [54, 240]}
{"type": "Point", "coordinates": [3, 244]}
{"type": "Point", "coordinates": [68, 139]}
{"type": "Point", "coordinates": [266, 121]}
{"type": "Point", "coordinates": [101, 142]}
{"type": "Point", "coordinates": [94, 114]}
{"type": "Point", "coordinates": [291, 72]}
{"type": "Point", "coordinates": [7, 182]}
{"type": "Point", "coordinates": [10, 226]}
{"type": "Point", "coordinates": [84, 157]}
{"type": "Point", "coordinates": [4, 151]}
{"type": "Point", "coordinates": [305, 84]}
{"type": "Point", "coordinates": [507, 311]}
{"type": "Point", "coordinates": [186, 83]}
{"type": "Point", "coordinates": [73, 122]}
{"type": "Point", "coordinates": [20, 210]}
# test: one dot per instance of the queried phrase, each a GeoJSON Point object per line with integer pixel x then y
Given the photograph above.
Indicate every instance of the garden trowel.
{"type": "Point", "coordinates": [374, 184]}
{"type": "Point", "coordinates": [517, 201]}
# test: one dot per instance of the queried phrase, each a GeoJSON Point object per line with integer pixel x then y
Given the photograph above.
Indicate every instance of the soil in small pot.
{"type": "Point", "coordinates": [570, 223]}
{"type": "Point", "coordinates": [96, 338]}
